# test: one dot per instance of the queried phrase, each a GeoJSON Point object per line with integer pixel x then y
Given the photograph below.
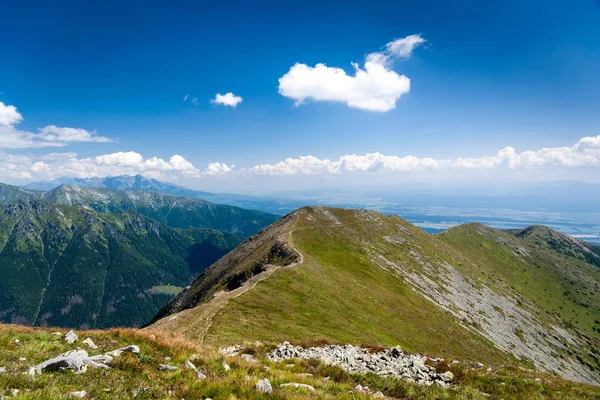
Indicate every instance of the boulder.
{"type": "Point", "coordinates": [89, 343]}
{"type": "Point", "coordinates": [75, 360]}
{"type": "Point", "coordinates": [71, 337]}
{"type": "Point", "coordinates": [263, 386]}
{"type": "Point", "coordinates": [131, 349]}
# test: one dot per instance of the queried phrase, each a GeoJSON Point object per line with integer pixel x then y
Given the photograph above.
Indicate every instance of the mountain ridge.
{"type": "Point", "coordinates": [361, 270]}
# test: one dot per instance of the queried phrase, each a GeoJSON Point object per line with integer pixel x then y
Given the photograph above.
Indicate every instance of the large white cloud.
{"type": "Point", "coordinates": [375, 87]}
{"type": "Point", "coordinates": [227, 99]}
{"type": "Point", "coordinates": [49, 136]}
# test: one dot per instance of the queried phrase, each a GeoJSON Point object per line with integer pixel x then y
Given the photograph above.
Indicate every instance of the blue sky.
{"type": "Point", "coordinates": [488, 75]}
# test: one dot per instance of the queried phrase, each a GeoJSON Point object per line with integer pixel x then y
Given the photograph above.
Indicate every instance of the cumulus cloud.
{"type": "Point", "coordinates": [55, 165]}
{"type": "Point", "coordinates": [49, 136]}
{"type": "Point", "coordinates": [375, 87]}
{"type": "Point", "coordinates": [584, 153]}
{"type": "Point", "coordinates": [227, 99]}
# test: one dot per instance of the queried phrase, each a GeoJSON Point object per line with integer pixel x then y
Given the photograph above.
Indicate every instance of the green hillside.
{"type": "Point", "coordinates": [356, 276]}
{"type": "Point", "coordinates": [71, 266]}
{"type": "Point", "coordinates": [560, 243]}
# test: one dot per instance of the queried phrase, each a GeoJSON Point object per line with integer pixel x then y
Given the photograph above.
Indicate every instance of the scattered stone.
{"type": "Point", "coordinates": [298, 386]}
{"type": "Point", "coordinates": [226, 366]}
{"type": "Point", "coordinates": [167, 358]}
{"type": "Point", "coordinates": [169, 368]}
{"type": "Point", "coordinates": [81, 394]}
{"type": "Point", "coordinates": [190, 365]}
{"type": "Point", "coordinates": [57, 333]}
{"type": "Point", "coordinates": [478, 365]}
{"type": "Point", "coordinates": [131, 349]}
{"type": "Point", "coordinates": [22, 359]}
{"type": "Point", "coordinates": [17, 341]}
{"type": "Point", "coordinates": [75, 360]}
{"type": "Point", "coordinates": [14, 392]}
{"type": "Point", "coordinates": [71, 337]}
{"type": "Point", "coordinates": [305, 375]}
{"type": "Point", "coordinates": [2, 370]}
{"type": "Point", "coordinates": [378, 395]}
{"type": "Point", "coordinates": [231, 351]}
{"type": "Point", "coordinates": [90, 343]}
{"type": "Point", "coordinates": [391, 362]}
{"type": "Point", "coordinates": [249, 357]}
{"type": "Point", "coordinates": [31, 372]}
{"type": "Point", "coordinates": [263, 386]}
{"type": "Point", "coordinates": [447, 376]}
{"type": "Point", "coordinates": [200, 375]}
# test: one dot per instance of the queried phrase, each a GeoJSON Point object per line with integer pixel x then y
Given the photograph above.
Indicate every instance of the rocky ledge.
{"type": "Point", "coordinates": [390, 362]}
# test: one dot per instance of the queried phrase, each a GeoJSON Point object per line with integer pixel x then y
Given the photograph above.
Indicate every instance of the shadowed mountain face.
{"type": "Point", "coordinates": [174, 211]}
{"type": "Point", "coordinates": [72, 266]}
{"type": "Point", "coordinates": [356, 276]}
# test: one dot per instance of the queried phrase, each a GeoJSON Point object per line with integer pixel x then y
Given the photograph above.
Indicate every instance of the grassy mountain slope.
{"type": "Point", "coordinates": [560, 243]}
{"type": "Point", "coordinates": [69, 266]}
{"type": "Point", "coordinates": [138, 375]}
{"type": "Point", "coordinates": [366, 278]}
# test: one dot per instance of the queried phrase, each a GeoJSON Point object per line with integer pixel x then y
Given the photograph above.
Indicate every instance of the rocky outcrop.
{"type": "Point", "coordinates": [391, 362]}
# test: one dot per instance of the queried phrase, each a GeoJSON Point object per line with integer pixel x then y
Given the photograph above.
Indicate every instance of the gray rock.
{"type": "Point", "coordinates": [447, 376]}
{"type": "Point", "coordinates": [131, 349]}
{"type": "Point", "coordinates": [71, 337]}
{"type": "Point", "coordinates": [89, 343]}
{"type": "Point", "coordinates": [226, 366]}
{"type": "Point", "coordinates": [298, 386]}
{"type": "Point", "coordinates": [101, 358]}
{"type": "Point", "coordinates": [169, 368]}
{"type": "Point", "coordinates": [191, 366]}
{"type": "Point", "coordinates": [263, 386]}
{"type": "Point", "coordinates": [200, 375]}
{"type": "Point", "coordinates": [74, 360]}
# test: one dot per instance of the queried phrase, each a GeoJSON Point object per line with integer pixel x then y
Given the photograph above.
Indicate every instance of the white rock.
{"type": "Point", "coordinates": [226, 366]}
{"type": "Point", "coordinates": [131, 349]}
{"type": "Point", "coordinates": [81, 394]}
{"type": "Point", "coordinates": [57, 333]}
{"type": "Point", "coordinates": [165, 367]}
{"type": "Point", "coordinates": [2, 370]}
{"type": "Point", "coordinates": [31, 372]}
{"type": "Point", "coordinates": [298, 386]}
{"type": "Point", "coordinates": [89, 343]}
{"type": "Point", "coordinates": [22, 359]}
{"type": "Point", "coordinates": [71, 337]}
{"type": "Point", "coordinates": [263, 386]}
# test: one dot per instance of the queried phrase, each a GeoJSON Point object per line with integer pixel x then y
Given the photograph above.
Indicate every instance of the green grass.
{"type": "Point", "coordinates": [138, 375]}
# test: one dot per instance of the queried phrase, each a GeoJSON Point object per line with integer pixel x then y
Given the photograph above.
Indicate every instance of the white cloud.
{"type": "Point", "coordinates": [584, 153]}
{"type": "Point", "coordinates": [49, 136]}
{"type": "Point", "coordinates": [581, 156]}
{"type": "Point", "coordinates": [227, 99]}
{"type": "Point", "coordinates": [185, 97]}
{"type": "Point", "coordinates": [373, 88]}
{"type": "Point", "coordinates": [195, 101]}
{"type": "Point", "coordinates": [9, 115]}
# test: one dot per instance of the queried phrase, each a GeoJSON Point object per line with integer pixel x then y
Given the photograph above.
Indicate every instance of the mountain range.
{"type": "Point", "coordinates": [94, 257]}
{"type": "Point", "coordinates": [356, 276]}
{"type": "Point", "coordinates": [175, 211]}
